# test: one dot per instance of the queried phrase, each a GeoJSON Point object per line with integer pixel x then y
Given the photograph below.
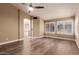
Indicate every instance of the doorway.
{"type": "Point", "coordinates": [26, 28]}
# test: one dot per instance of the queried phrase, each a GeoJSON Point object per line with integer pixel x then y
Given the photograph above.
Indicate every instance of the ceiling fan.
{"type": "Point", "coordinates": [35, 7]}
{"type": "Point", "coordinates": [31, 8]}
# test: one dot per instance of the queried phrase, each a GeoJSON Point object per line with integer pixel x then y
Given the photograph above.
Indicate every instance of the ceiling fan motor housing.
{"type": "Point", "coordinates": [35, 17]}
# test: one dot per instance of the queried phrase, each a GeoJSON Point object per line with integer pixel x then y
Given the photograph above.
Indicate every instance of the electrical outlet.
{"type": "Point", "coordinates": [6, 38]}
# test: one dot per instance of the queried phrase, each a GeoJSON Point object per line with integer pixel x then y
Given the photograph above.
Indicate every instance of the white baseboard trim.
{"type": "Point", "coordinates": [77, 43]}
{"type": "Point", "coordinates": [36, 37]}
{"type": "Point", "coordinates": [60, 38]}
{"type": "Point", "coordinates": [10, 41]}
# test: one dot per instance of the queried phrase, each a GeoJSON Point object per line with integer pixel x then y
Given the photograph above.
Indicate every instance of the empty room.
{"type": "Point", "coordinates": [39, 28]}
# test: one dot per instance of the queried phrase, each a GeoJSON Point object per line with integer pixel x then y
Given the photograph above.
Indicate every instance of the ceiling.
{"type": "Point", "coordinates": [51, 10]}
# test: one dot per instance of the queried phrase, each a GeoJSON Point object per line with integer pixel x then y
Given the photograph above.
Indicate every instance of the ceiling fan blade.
{"type": "Point", "coordinates": [23, 3]}
{"type": "Point", "coordinates": [38, 7]}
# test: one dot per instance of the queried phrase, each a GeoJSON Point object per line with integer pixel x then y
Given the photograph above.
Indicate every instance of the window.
{"type": "Point", "coordinates": [68, 27]}
{"type": "Point", "coordinates": [65, 27]}
{"type": "Point", "coordinates": [60, 26]}
{"type": "Point", "coordinates": [26, 24]}
{"type": "Point", "coordinates": [46, 27]}
{"type": "Point", "coordinates": [50, 27]}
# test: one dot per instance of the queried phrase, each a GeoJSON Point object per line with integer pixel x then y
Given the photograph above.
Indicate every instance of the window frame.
{"type": "Point", "coordinates": [64, 31]}
{"type": "Point", "coordinates": [72, 23]}
{"type": "Point", "coordinates": [45, 27]}
{"type": "Point", "coordinates": [49, 27]}
{"type": "Point", "coordinates": [59, 32]}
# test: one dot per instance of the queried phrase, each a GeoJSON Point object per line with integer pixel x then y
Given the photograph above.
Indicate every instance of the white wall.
{"type": "Point", "coordinates": [41, 28]}
{"type": "Point", "coordinates": [8, 23]}
{"type": "Point", "coordinates": [11, 23]}
{"type": "Point", "coordinates": [38, 28]}
{"type": "Point", "coordinates": [77, 29]}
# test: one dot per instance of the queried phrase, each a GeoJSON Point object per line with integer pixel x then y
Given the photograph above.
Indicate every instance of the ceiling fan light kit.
{"type": "Point", "coordinates": [31, 8]}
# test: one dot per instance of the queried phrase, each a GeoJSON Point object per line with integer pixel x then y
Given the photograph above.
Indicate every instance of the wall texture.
{"type": "Point", "coordinates": [41, 27]}
{"type": "Point", "coordinates": [11, 23]}
{"type": "Point", "coordinates": [38, 28]}
{"type": "Point", "coordinates": [77, 29]}
{"type": "Point", "coordinates": [8, 23]}
{"type": "Point", "coordinates": [35, 28]}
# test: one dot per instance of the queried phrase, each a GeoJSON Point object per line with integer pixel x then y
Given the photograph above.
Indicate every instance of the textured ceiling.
{"type": "Point", "coordinates": [52, 10]}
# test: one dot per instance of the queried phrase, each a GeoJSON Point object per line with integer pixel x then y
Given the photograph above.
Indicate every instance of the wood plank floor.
{"type": "Point", "coordinates": [42, 46]}
{"type": "Point", "coordinates": [48, 46]}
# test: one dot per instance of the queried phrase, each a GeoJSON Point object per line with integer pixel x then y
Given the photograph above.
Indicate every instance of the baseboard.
{"type": "Point", "coordinates": [36, 37]}
{"type": "Point", "coordinates": [60, 38]}
{"type": "Point", "coordinates": [10, 41]}
{"type": "Point", "coordinates": [77, 43]}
